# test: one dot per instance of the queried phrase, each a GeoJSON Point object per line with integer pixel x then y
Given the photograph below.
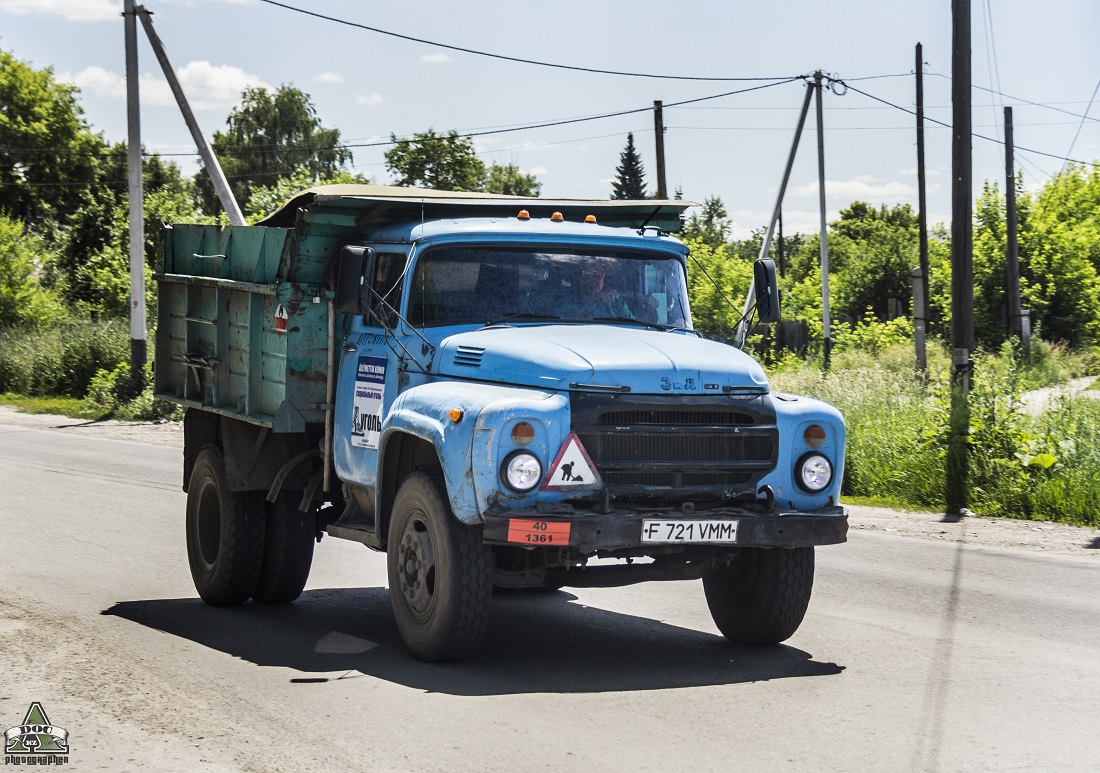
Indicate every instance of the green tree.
{"type": "Point", "coordinates": [24, 298]}
{"type": "Point", "coordinates": [92, 267]}
{"type": "Point", "coordinates": [629, 182]}
{"type": "Point", "coordinates": [510, 181]}
{"type": "Point", "coordinates": [716, 284]}
{"type": "Point", "coordinates": [266, 199]}
{"type": "Point", "coordinates": [47, 153]}
{"type": "Point", "coordinates": [711, 225]}
{"type": "Point", "coordinates": [445, 162]}
{"type": "Point", "coordinates": [270, 135]}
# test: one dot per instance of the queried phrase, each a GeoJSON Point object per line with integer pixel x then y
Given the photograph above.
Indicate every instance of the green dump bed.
{"type": "Point", "coordinates": [224, 291]}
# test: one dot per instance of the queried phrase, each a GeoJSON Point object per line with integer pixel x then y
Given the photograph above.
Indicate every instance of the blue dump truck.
{"type": "Point", "coordinates": [498, 393]}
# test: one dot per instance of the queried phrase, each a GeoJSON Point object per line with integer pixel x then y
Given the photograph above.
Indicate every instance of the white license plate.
{"type": "Point", "coordinates": [682, 530]}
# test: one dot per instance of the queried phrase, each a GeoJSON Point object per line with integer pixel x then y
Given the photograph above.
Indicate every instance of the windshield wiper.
{"type": "Point", "coordinates": [520, 316]}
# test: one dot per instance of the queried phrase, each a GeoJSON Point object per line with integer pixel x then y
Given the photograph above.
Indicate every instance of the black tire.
{"type": "Point", "coordinates": [225, 533]}
{"type": "Point", "coordinates": [289, 537]}
{"type": "Point", "coordinates": [440, 574]}
{"type": "Point", "coordinates": [762, 596]}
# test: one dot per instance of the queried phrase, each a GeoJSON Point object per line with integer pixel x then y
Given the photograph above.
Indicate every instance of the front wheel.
{"type": "Point", "coordinates": [440, 574]}
{"type": "Point", "coordinates": [225, 533]}
{"type": "Point", "coordinates": [762, 595]}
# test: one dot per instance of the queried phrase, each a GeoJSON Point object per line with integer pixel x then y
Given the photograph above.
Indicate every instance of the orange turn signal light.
{"type": "Point", "coordinates": [557, 217]}
{"type": "Point", "coordinates": [456, 415]}
{"type": "Point", "coordinates": [814, 436]}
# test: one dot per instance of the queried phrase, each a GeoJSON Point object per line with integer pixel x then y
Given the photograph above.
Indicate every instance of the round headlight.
{"type": "Point", "coordinates": [813, 473]}
{"type": "Point", "coordinates": [521, 471]}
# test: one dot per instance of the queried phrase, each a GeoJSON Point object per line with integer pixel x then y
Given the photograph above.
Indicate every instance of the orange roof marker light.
{"type": "Point", "coordinates": [590, 218]}
{"type": "Point", "coordinates": [557, 218]}
{"type": "Point", "coordinates": [523, 215]}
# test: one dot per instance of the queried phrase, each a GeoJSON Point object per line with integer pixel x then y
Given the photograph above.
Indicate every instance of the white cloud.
{"type": "Point", "coordinates": [861, 187]}
{"type": "Point", "coordinates": [69, 10]}
{"type": "Point", "coordinates": [538, 170]}
{"type": "Point", "coordinates": [207, 86]}
{"type": "Point", "coordinates": [435, 58]}
{"type": "Point", "coordinates": [374, 99]}
{"type": "Point", "coordinates": [329, 77]}
{"type": "Point", "coordinates": [912, 171]}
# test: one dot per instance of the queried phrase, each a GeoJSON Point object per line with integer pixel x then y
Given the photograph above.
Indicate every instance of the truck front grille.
{"type": "Point", "coordinates": [655, 448]}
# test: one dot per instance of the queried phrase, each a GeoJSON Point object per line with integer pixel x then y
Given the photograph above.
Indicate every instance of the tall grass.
{"type": "Point", "coordinates": [87, 360]}
{"type": "Point", "coordinates": [60, 360]}
{"type": "Point", "coordinates": [1044, 468]}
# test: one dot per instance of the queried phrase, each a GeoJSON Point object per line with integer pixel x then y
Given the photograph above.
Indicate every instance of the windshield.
{"type": "Point", "coordinates": [484, 284]}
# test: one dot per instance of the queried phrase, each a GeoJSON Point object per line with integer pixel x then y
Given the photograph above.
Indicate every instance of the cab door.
{"type": "Point", "coordinates": [367, 379]}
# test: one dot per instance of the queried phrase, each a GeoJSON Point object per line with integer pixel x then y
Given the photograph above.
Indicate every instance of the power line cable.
{"type": "Point", "coordinates": [1078, 133]}
{"type": "Point", "coordinates": [974, 134]}
{"type": "Point", "coordinates": [503, 57]}
{"type": "Point", "coordinates": [464, 135]}
{"type": "Point", "coordinates": [1021, 99]}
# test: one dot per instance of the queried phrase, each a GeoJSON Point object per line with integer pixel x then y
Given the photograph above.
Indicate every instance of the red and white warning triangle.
{"type": "Point", "coordinates": [572, 469]}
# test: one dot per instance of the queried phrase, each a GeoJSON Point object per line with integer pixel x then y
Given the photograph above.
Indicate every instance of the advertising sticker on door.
{"type": "Point", "coordinates": [366, 414]}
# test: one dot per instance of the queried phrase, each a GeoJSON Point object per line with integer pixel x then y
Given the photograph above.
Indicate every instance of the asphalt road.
{"type": "Point", "coordinates": [915, 655]}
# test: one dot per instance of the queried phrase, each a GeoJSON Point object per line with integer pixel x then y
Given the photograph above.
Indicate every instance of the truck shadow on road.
{"type": "Point", "coordinates": [536, 643]}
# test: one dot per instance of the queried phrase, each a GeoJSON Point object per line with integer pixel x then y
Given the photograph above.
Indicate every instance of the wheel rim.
{"type": "Point", "coordinates": [209, 525]}
{"type": "Point", "coordinates": [416, 568]}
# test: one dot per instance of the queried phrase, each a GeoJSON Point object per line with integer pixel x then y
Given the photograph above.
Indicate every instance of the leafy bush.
{"type": "Point", "coordinates": [872, 336]}
{"type": "Point", "coordinates": [120, 395]}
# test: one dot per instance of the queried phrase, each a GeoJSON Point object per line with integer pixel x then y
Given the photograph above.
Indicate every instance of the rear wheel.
{"type": "Point", "coordinates": [225, 533]}
{"type": "Point", "coordinates": [762, 595]}
{"type": "Point", "coordinates": [288, 550]}
{"type": "Point", "coordinates": [440, 574]}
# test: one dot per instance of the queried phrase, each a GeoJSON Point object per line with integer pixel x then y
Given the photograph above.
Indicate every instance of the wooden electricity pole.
{"type": "Point", "coordinates": [1015, 310]}
{"type": "Point", "coordinates": [962, 263]}
{"type": "Point", "coordinates": [827, 346]}
{"type": "Point", "coordinates": [921, 310]}
{"type": "Point", "coordinates": [659, 132]}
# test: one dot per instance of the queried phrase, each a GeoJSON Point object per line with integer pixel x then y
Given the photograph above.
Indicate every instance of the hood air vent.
{"type": "Point", "coordinates": [470, 356]}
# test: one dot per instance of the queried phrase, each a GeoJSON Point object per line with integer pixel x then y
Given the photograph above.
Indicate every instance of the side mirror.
{"type": "Point", "coordinates": [767, 290]}
{"type": "Point", "coordinates": [354, 273]}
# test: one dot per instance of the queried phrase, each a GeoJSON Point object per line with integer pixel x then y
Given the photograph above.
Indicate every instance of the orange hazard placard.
{"type": "Point", "coordinates": [538, 532]}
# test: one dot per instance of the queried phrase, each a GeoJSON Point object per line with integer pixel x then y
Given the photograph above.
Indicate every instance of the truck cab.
{"type": "Point", "coordinates": [514, 397]}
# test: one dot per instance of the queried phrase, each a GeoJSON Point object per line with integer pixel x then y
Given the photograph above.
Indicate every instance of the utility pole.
{"type": "Point", "coordinates": [1015, 312]}
{"type": "Point", "coordinates": [137, 212]}
{"type": "Point", "coordinates": [922, 311]}
{"type": "Point", "coordinates": [825, 330]}
{"type": "Point", "coordinates": [962, 263]}
{"type": "Point", "coordinates": [659, 132]}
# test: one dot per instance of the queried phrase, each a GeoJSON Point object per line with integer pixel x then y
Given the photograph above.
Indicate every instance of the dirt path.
{"type": "Point", "coordinates": [990, 532]}
{"type": "Point", "coordinates": [1038, 400]}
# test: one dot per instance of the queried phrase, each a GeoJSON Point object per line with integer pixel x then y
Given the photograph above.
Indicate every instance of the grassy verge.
{"type": "Point", "coordinates": [58, 406]}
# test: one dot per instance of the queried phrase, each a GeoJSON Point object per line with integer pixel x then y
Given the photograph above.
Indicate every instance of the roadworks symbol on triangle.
{"type": "Point", "coordinates": [572, 469]}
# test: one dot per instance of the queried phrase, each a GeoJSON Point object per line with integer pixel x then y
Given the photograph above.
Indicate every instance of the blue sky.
{"type": "Point", "coordinates": [369, 85]}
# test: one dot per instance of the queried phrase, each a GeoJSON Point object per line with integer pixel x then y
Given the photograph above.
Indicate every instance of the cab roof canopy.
{"type": "Point", "coordinates": [379, 205]}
